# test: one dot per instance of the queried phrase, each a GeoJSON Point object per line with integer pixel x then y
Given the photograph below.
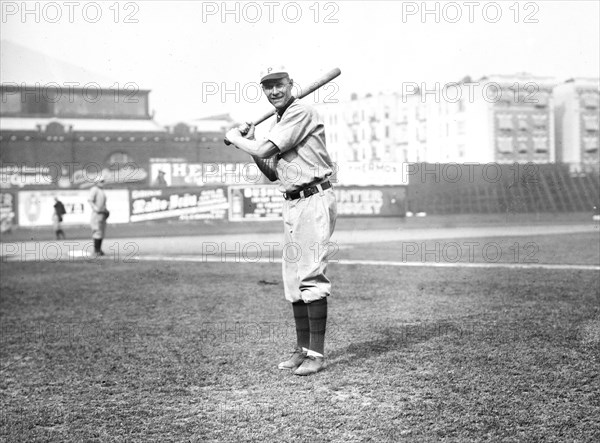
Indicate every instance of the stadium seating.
{"type": "Point", "coordinates": [524, 188]}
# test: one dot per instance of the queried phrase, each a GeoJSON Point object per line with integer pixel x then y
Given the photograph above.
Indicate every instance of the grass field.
{"type": "Point", "coordinates": [154, 351]}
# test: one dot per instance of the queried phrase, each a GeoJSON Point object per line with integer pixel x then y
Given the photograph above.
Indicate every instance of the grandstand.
{"type": "Point", "coordinates": [517, 188]}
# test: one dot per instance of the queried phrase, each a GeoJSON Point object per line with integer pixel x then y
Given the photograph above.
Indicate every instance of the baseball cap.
{"type": "Point", "coordinates": [273, 73]}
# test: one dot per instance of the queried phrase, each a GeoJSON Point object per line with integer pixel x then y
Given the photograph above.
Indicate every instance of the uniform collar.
{"type": "Point", "coordinates": [282, 111]}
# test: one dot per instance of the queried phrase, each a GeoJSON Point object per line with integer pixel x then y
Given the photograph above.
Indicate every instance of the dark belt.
{"type": "Point", "coordinates": [306, 191]}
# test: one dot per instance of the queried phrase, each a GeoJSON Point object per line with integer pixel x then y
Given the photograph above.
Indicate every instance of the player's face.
{"type": "Point", "coordinates": [278, 92]}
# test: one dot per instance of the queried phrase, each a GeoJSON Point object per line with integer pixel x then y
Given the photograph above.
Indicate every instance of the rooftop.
{"type": "Point", "coordinates": [81, 124]}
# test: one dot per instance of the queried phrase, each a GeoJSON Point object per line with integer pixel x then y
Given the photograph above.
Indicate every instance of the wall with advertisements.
{"type": "Point", "coordinates": [36, 208]}
{"type": "Point", "coordinates": [266, 202]}
{"type": "Point", "coordinates": [234, 203]}
{"type": "Point", "coordinates": [181, 173]}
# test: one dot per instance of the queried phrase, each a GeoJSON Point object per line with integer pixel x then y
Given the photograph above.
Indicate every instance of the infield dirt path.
{"type": "Point", "coordinates": [204, 244]}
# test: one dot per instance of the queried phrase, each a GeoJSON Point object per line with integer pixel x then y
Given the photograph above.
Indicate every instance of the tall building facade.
{"type": "Point", "coordinates": [577, 117]}
{"type": "Point", "coordinates": [371, 138]}
{"type": "Point", "coordinates": [500, 118]}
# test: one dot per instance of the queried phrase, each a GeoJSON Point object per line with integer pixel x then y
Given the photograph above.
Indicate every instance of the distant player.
{"type": "Point", "coordinates": [294, 153]}
{"type": "Point", "coordinates": [57, 218]}
{"type": "Point", "coordinates": [160, 179]}
{"type": "Point", "coordinates": [97, 201]}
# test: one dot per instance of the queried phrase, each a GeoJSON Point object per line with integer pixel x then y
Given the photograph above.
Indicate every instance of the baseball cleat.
{"type": "Point", "coordinates": [310, 365]}
{"type": "Point", "coordinates": [298, 356]}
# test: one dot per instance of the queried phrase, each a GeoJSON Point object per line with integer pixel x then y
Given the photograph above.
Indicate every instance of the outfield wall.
{"type": "Point", "coordinates": [34, 208]}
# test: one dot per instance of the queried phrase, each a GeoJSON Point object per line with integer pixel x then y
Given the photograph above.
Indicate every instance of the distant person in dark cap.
{"type": "Point", "coordinates": [160, 179]}
{"type": "Point", "coordinates": [97, 201]}
{"type": "Point", "coordinates": [57, 218]}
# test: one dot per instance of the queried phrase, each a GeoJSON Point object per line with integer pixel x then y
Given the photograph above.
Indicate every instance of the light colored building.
{"type": "Point", "coordinates": [577, 120]}
{"type": "Point", "coordinates": [371, 138]}
{"type": "Point", "coordinates": [501, 118]}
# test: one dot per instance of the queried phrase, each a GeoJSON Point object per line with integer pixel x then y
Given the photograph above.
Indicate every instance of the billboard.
{"type": "Point", "coordinates": [36, 208]}
{"type": "Point", "coordinates": [8, 211]}
{"type": "Point", "coordinates": [179, 204]}
{"type": "Point", "coordinates": [262, 202]}
{"type": "Point", "coordinates": [265, 202]}
{"type": "Point", "coordinates": [371, 173]}
{"type": "Point", "coordinates": [204, 174]}
{"type": "Point", "coordinates": [375, 201]}
{"type": "Point", "coordinates": [66, 175]}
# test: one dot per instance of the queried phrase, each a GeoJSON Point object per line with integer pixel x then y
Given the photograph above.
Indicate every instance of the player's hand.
{"type": "Point", "coordinates": [247, 130]}
{"type": "Point", "coordinates": [232, 134]}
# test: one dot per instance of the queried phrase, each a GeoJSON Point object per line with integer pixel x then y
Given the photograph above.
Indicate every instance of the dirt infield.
{"type": "Point", "coordinates": [221, 227]}
{"type": "Point", "coordinates": [412, 243]}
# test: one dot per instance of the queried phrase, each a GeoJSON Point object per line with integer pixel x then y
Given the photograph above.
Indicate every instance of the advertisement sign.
{"type": "Point", "coordinates": [7, 211]}
{"type": "Point", "coordinates": [204, 174]}
{"type": "Point", "coordinates": [20, 176]}
{"type": "Point", "coordinates": [388, 201]}
{"type": "Point", "coordinates": [68, 175]}
{"type": "Point", "coordinates": [179, 204]}
{"type": "Point", "coordinates": [36, 208]}
{"type": "Point", "coordinates": [265, 202]}
{"type": "Point", "coordinates": [255, 202]}
{"type": "Point", "coordinates": [371, 173]}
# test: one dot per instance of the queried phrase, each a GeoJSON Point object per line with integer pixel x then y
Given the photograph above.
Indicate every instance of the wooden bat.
{"type": "Point", "coordinates": [323, 80]}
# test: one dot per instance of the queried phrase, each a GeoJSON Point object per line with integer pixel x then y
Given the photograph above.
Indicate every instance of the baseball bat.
{"type": "Point", "coordinates": [323, 80]}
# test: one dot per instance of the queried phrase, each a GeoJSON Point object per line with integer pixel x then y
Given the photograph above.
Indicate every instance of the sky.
{"type": "Point", "coordinates": [190, 53]}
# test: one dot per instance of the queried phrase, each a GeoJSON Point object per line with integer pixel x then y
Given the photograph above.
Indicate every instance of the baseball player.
{"type": "Point", "coordinates": [294, 154]}
{"type": "Point", "coordinates": [97, 200]}
{"type": "Point", "coordinates": [57, 218]}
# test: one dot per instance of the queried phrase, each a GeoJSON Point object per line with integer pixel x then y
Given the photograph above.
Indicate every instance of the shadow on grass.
{"type": "Point", "coordinates": [393, 339]}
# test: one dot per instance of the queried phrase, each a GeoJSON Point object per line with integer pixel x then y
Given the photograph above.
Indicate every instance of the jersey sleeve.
{"type": "Point", "coordinates": [93, 193]}
{"type": "Point", "coordinates": [295, 125]}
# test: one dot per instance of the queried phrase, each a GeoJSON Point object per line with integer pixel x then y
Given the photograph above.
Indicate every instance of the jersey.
{"type": "Point", "coordinates": [299, 134]}
{"type": "Point", "coordinates": [98, 198]}
{"type": "Point", "coordinates": [98, 219]}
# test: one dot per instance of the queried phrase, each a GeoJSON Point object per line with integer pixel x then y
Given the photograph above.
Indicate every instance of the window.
{"type": "Point", "coordinates": [10, 102]}
{"type": "Point", "coordinates": [505, 144]}
{"type": "Point", "coordinates": [34, 103]}
{"type": "Point", "coordinates": [505, 122]}
{"type": "Point", "coordinates": [590, 144]}
{"type": "Point", "coordinates": [539, 120]}
{"type": "Point", "coordinates": [539, 100]}
{"type": "Point", "coordinates": [590, 122]}
{"type": "Point", "coordinates": [540, 144]}
{"type": "Point", "coordinates": [522, 122]}
{"type": "Point", "coordinates": [522, 148]}
{"type": "Point", "coordinates": [590, 100]}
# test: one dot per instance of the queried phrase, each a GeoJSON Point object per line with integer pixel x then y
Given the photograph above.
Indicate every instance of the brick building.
{"type": "Point", "coordinates": [61, 125]}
